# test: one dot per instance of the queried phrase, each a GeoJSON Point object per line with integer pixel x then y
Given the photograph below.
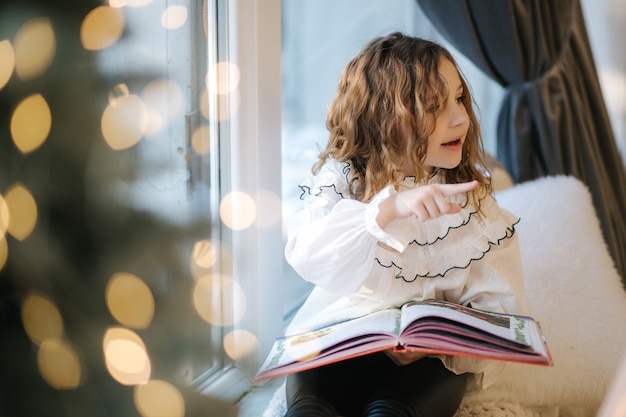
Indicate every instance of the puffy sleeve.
{"type": "Point", "coordinates": [329, 241]}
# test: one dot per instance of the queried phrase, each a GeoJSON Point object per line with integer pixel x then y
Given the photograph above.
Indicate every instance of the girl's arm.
{"type": "Point", "coordinates": [329, 245]}
{"type": "Point", "coordinates": [328, 242]}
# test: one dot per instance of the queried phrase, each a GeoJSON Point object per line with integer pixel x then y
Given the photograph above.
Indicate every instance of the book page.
{"type": "Point", "coordinates": [383, 324]}
{"type": "Point", "coordinates": [510, 327]}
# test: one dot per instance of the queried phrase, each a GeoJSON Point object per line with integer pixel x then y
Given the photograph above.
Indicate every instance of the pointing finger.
{"type": "Point", "coordinates": [452, 189]}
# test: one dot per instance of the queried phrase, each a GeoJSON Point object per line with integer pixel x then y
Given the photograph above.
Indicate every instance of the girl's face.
{"type": "Point", "coordinates": [445, 144]}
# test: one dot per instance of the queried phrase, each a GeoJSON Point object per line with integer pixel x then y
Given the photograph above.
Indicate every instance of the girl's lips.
{"type": "Point", "coordinates": [453, 144]}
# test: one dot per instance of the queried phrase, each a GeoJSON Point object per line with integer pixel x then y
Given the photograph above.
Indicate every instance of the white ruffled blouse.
{"type": "Point", "coordinates": [358, 268]}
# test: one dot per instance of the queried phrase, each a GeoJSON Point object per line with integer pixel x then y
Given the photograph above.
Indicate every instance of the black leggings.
{"type": "Point", "coordinates": [374, 386]}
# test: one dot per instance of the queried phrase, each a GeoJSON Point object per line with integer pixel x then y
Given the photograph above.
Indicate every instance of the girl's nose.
{"type": "Point", "coordinates": [458, 115]}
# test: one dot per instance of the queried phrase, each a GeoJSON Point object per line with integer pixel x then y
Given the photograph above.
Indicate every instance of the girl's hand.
{"type": "Point", "coordinates": [404, 357]}
{"type": "Point", "coordinates": [425, 202]}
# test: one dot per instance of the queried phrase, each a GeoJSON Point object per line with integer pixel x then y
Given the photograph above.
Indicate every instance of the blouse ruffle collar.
{"type": "Point", "coordinates": [434, 247]}
{"type": "Point", "coordinates": [450, 242]}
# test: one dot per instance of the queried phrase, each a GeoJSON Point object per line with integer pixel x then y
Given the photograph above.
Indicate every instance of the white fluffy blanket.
{"type": "Point", "coordinates": [574, 290]}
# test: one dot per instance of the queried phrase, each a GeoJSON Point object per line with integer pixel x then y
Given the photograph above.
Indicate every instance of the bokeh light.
{"type": "Point", "coordinates": [204, 104]}
{"type": "Point", "coordinates": [226, 106]}
{"type": "Point", "coordinates": [204, 254]}
{"type": "Point", "coordinates": [240, 344]}
{"type": "Point", "coordinates": [7, 62]}
{"type": "Point", "coordinates": [5, 216]}
{"type": "Point", "coordinates": [223, 78]}
{"type": "Point", "coordinates": [4, 252]}
{"type": "Point", "coordinates": [23, 211]}
{"type": "Point", "coordinates": [222, 82]}
{"type": "Point", "coordinates": [30, 123]}
{"type": "Point", "coordinates": [126, 356]}
{"type": "Point", "coordinates": [101, 28]}
{"type": "Point", "coordinates": [268, 208]}
{"type": "Point", "coordinates": [59, 364]}
{"type": "Point", "coordinates": [124, 121]}
{"type": "Point", "coordinates": [219, 300]}
{"type": "Point", "coordinates": [34, 46]}
{"type": "Point", "coordinates": [200, 140]}
{"type": "Point", "coordinates": [41, 319]}
{"type": "Point", "coordinates": [129, 300]}
{"type": "Point", "coordinates": [237, 210]}
{"type": "Point", "coordinates": [174, 17]}
{"type": "Point", "coordinates": [159, 398]}
{"type": "Point", "coordinates": [164, 102]}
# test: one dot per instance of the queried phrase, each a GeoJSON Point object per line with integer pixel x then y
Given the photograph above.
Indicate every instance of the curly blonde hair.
{"type": "Point", "coordinates": [393, 90]}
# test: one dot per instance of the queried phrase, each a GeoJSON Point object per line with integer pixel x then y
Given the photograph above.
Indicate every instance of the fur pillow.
{"type": "Point", "coordinates": [574, 290]}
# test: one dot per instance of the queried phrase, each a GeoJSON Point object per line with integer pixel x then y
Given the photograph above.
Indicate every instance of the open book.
{"type": "Point", "coordinates": [433, 327]}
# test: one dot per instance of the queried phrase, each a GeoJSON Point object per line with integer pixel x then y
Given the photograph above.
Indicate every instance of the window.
{"type": "Point", "coordinates": [252, 180]}
{"type": "Point", "coordinates": [169, 180]}
{"type": "Point", "coordinates": [140, 209]}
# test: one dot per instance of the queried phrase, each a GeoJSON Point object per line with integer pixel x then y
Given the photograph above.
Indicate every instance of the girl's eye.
{"type": "Point", "coordinates": [460, 99]}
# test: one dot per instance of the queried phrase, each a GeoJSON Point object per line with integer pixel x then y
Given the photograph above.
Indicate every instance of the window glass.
{"type": "Point", "coordinates": [113, 256]}
{"type": "Point", "coordinates": [161, 188]}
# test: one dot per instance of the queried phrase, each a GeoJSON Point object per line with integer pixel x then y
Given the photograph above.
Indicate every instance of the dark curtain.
{"type": "Point", "coordinates": [553, 118]}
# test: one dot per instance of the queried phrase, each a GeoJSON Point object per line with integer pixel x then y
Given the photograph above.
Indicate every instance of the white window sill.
{"type": "Point", "coordinates": [254, 403]}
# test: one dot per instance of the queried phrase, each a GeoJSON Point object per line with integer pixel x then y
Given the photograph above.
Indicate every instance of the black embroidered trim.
{"type": "Point", "coordinates": [346, 169]}
{"type": "Point", "coordinates": [307, 190]}
{"type": "Point", "coordinates": [510, 231]}
{"type": "Point", "coordinates": [438, 238]}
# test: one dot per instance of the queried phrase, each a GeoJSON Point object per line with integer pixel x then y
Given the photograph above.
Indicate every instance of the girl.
{"type": "Point", "coordinates": [400, 208]}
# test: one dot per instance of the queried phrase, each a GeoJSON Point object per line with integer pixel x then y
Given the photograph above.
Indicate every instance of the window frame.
{"type": "Point", "coordinates": [253, 142]}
